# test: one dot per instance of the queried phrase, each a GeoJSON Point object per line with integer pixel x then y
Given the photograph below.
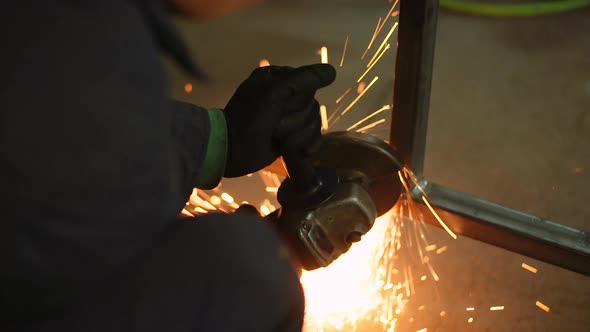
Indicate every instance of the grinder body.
{"type": "Point", "coordinates": [330, 202]}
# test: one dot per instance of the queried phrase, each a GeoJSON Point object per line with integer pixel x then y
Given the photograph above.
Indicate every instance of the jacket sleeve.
{"type": "Point", "coordinates": [95, 160]}
{"type": "Point", "coordinates": [197, 129]}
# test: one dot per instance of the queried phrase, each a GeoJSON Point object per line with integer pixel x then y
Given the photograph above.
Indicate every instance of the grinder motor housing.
{"type": "Point", "coordinates": [338, 196]}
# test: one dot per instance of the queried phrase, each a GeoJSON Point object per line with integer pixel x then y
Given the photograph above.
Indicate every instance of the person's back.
{"type": "Point", "coordinates": [96, 162]}
{"type": "Point", "coordinates": [82, 100]}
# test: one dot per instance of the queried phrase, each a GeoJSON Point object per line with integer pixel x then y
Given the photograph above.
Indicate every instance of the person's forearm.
{"type": "Point", "coordinates": [201, 137]}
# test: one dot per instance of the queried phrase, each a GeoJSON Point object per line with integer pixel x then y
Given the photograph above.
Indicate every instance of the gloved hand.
{"type": "Point", "coordinates": [274, 110]}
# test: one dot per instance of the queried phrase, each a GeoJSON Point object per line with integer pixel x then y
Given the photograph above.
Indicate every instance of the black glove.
{"type": "Point", "coordinates": [273, 110]}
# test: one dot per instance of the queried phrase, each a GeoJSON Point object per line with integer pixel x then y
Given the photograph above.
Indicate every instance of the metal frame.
{"type": "Point", "coordinates": [468, 215]}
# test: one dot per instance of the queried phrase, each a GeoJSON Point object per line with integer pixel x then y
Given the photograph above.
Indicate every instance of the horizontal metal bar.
{"type": "Point", "coordinates": [507, 228]}
{"type": "Point", "coordinates": [413, 76]}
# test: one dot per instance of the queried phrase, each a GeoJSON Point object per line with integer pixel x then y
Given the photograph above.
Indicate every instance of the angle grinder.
{"type": "Point", "coordinates": [329, 202]}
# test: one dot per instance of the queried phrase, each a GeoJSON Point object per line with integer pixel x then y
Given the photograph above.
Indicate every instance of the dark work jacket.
{"type": "Point", "coordinates": [95, 159]}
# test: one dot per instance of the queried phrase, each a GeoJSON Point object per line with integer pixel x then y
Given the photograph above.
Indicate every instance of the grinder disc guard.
{"type": "Point", "coordinates": [354, 154]}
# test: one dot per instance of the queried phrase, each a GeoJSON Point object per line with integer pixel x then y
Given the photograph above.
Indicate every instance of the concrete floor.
{"type": "Point", "coordinates": [509, 122]}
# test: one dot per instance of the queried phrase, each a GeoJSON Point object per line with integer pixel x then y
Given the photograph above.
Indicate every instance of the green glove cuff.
{"type": "Point", "coordinates": [213, 166]}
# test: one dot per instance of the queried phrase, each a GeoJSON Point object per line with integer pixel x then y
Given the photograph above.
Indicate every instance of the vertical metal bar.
{"type": "Point", "coordinates": [413, 77]}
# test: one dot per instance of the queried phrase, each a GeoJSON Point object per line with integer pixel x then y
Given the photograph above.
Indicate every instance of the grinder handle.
{"type": "Point", "coordinates": [302, 173]}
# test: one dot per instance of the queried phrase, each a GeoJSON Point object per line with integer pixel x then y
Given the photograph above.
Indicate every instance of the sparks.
{"type": "Point", "coordinates": [188, 88]}
{"type": "Point", "coordinates": [272, 189]}
{"type": "Point", "coordinates": [344, 51]}
{"type": "Point", "coordinates": [199, 209]}
{"type": "Point", "coordinates": [431, 247]}
{"type": "Point", "coordinates": [263, 63]}
{"type": "Point", "coordinates": [374, 63]}
{"type": "Point", "coordinates": [441, 250]}
{"type": "Point", "coordinates": [542, 306]}
{"type": "Point", "coordinates": [385, 42]}
{"type": "Point", "coordinates": [470, 320]}
{"type": "Point", "coordinates": [227, 197]}
{"type": "Point", "coordinates": [215, 200]}
{"type": "Point", "coordinates": [528, 268]}
{"type": "Point", "coordinates": [442, 223]}
{"type": "Point", "coordinates": [422, 330]}
{"type": "Point", "coordinates": [372, 38]}
{"type": "Point", "coordinates": [360, 95]}
{"type": "Point", "coordinates": [370, 126]}
{"type": "Point", "coordinates": [497, 308]}
{"type": "Point", "coordinates": [324, 117]}
{"type": "Point", "coordinates": [361, 87]}
{"type": "Point", "coordinates": [382, 109]}
{"type": "Point", "coordinates": [187, 213]}
{"type": "Point", "coordinates": [389, 14]}
{"type": "Point", "coordinates": [470, 309]}
{"type": "Point", "coordinates": [324, 54]}
{"type": "Point", "coordinates": [264, 210]}
{"type": "Point", "coordinates": [364, 278]}
{"type": "Point", "coordinates": [343, 95]}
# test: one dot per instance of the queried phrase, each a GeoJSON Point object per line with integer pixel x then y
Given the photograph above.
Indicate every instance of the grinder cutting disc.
{"type": "Point", "coordinates": [356, 154]}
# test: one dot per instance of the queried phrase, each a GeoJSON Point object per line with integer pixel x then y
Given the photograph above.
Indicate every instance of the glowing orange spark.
{"type": "Point", "coordinates": [344, 51]}
{"type": "Point", "coordinates": [470, 320]}
{"type": "Point", "coordinates": [470, 309]}
{"type": "Point", "coordinates": [186, 213]}
{"type": "Point", "coordinates": [542, 306]}
{"type": "Point", "coordinates": [528, 268]}
{"type": "Point", "coordinates": [324, 54]}
{"type": "Point", "coordinates": [215, 200]}
{"type": "Point", "coordinates": [382, 109]}
{"type": "Point", "coordinates": [324, 117]}
{"type": "Point", "coordinates": [383, 43]}
{"type": "Point", "coordinates": [443, 313]}
{"type": "Point", "coordinates": [390, 13]}
{"type": "Point", "coordinates": [372, 38]}
{"type": "Point", "coordinates": [272, 189]}
{"type": "Point", "coordinates": [432, 272]}
{"type": "Point", "coordinates": [441, 250]}
{"type": "Point", "coordinates": [188, 88]}
{"type": "Point", "coordinates": [343, 95]}
{"type": "Point", "coordinates": [370, 126]}
{"type": "Point", "coordinates": [263, 63]}
{"type": "Point", "coordinates": [360, 95]}
{"type": "Point", "coordinates": [264, 210]}
{"type": "Point", "coordinates": [424, 277]}
{"type": "Point", "coordinates": [430, 247]}
{"type": "Point", "coordinates": [421, 307]}
{"type": "Point", "coordinates": [497, 308]}
{"type": "Point", "coordinates": [579, 170]}
{"type": "Point", "coordinates": [200, 210]}
{"type": "Point", "coordinates": [442, 223]}
{"type": "Point", "coordinates": [423, 330]}
{"type": "Point", "coordinates": [361, 87]}
{"type": "Point", "coordinates": [227, 197]}
{"type": "Point", "coordinates": [374, 63]}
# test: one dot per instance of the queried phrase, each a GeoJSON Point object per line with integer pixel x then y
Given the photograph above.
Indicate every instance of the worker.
{"type": "Point", "coordinates": [96, 162]}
